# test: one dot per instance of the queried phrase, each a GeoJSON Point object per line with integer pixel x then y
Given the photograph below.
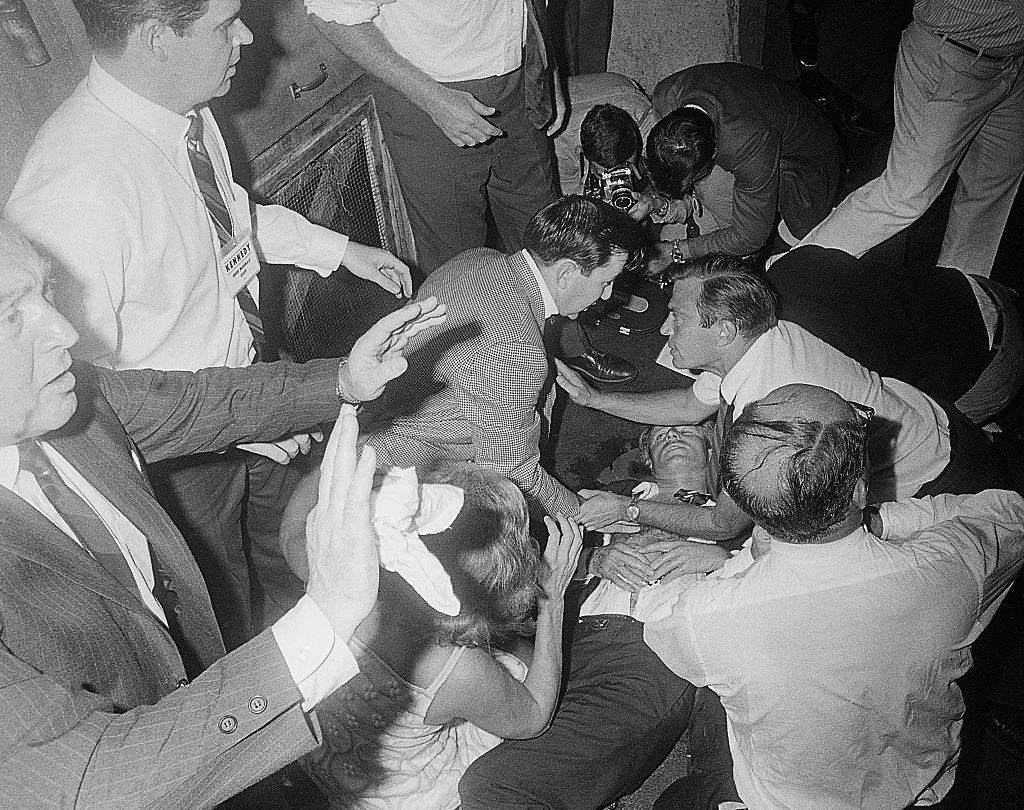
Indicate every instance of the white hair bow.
{"type": "Point", "coordinates": [401, 510]}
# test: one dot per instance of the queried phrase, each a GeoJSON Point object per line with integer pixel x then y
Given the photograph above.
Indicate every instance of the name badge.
{"type": "Point", "coordinates": [238, 262]}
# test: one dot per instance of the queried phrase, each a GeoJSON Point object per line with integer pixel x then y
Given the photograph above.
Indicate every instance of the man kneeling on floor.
{"type": "Point", "coordinates": [623, 710]}
{"type": "Point", "coordinates": [837, 650]}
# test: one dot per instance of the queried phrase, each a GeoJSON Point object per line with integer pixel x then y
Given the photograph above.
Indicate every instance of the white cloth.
{"type": "Point", "coordinates": [317, 659]}
{"type": "Point", "coordinates": [399, 514]}
{"type": "Point", "coordinates": [449, 40]}
{"type": "Point", "coordinates": [836, 663]}
{"type": "Point", "coordinates": [550, 307]}
{"type": "Point", "coordinates": [107, 189]}
{"type": "Point", "coordinates": [909, 443]}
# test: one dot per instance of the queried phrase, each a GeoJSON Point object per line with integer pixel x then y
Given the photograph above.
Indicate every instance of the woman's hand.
{"type": "Point", "coordinates": [560, 555]}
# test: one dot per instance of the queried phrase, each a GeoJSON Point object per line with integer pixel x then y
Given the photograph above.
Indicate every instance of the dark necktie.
{"type": "Point", "coordinates": [86, 525]}
{"type": "Point", "coordinates": [202, 168]}
{"type": "Point", "coordinates": [722, 425]}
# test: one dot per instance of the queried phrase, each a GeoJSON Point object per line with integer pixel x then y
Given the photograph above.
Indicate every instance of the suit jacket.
{"type": "Point", "coordinates": [473, 387]}
{"type": "Point", "coordinates": [782, 151]}
{"type": "Point", "coordinates": [97, 708]}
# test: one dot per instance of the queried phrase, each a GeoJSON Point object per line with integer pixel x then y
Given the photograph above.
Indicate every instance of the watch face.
{"type": "Point", "coordinates": [633, 511]}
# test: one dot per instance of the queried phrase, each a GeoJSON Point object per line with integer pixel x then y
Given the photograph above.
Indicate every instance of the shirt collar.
{"type": "Point", "coordinates": [153, 120]}
{"type": "Point", "coordinates": [818, 552]}
{"type": "Point", "coordinates": [9, 465]}
{"type": "Point", "coordinates": [747, 364]}
{"type": "Point", "coordinates": [550, 307]}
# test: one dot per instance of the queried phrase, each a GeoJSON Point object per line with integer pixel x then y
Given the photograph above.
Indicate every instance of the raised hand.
{"type": "Point", "coordinates": [560, 555]}
{"type": "Point", "coordinates": [341, 545]}
{"type": "Point", "coordinates": [579, 391]}
{"type": "Point", "coordinates": [376, 358]}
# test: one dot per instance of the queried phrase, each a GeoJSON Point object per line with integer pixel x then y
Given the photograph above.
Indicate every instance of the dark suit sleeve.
{"type": "Point", "coordinates": [755, 200]}
{"type": "Point", "coordinates": [173, 413]}
{"type": "Point", "coordinates": [194, 748]}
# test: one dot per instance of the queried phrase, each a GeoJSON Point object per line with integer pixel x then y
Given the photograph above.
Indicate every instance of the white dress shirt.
{"type": "Point", "coordinates": [449, 40]}
{"type": "Point", "coordinates": [837, 662]}
{"type": "Point", "coordinates": [107, 190]}
{"type": "Point", "coordinates": [909, 444]}
{"type": "Point", "coordinates": [317, 659]}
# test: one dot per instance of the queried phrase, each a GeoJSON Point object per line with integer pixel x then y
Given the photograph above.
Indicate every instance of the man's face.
{"type": "Point", "coordinates": [36, 388]}
{"type": "Point", "coordinates": [678, 450]}
{"type": "Point", "coordinates": [203, 58]}
{"type": "Point", "coordinates": [691, 345]}
{"type": "Point", "coordinates": [577, 291]}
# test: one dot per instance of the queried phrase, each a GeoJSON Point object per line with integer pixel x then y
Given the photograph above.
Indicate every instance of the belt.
{"type": "Point", "coordinates": [977, 52]}
{"type": "Point", "coordinates": [607, 621]}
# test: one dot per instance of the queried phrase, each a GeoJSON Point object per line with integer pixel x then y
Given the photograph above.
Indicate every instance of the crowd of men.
{"type": "Point", "coordinates": [833, 423]}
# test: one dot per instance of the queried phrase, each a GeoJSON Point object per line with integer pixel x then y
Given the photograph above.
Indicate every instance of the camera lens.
{"type": "Point", "coordinates": [622, 199]}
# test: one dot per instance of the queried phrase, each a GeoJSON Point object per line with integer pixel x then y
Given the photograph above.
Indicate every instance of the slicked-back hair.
{"type": "Point", "coordinates": [609, 136]}
{"type": "Point", "coordinates": [819, 465]}
{"type": "Point", "coordinates": [493, 563]}
{"type": "Point", "coordinates": [587, 231]}
{"type": "Point", "coordinates": [109, 23]}
{"type": "Point", "coordinates": [731, 289]}
{"type": "Point", "coordinates": [681, 151]}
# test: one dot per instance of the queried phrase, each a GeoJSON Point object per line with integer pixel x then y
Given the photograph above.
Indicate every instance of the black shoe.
{"type": "Point", "coordinates": [602, 367]}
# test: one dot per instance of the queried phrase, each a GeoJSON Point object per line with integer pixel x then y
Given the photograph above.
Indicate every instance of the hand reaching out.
{"type": "Point", "coordinates": [379, 266]}
{"type": "Point", "coordinates": [579, 391]}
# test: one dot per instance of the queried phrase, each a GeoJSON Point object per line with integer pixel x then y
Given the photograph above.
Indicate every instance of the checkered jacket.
{"type": "Point", "coordinates": [473, 386]}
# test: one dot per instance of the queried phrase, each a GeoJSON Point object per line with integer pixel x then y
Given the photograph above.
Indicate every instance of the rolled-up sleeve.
{"type": "Point", "coordinates": [346, 12]}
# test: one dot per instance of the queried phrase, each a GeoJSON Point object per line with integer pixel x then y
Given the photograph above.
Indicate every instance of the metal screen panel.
{"type": "Point", "coordinates": [338, 179]}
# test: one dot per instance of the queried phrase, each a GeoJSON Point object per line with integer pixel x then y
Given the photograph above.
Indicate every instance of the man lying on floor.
{"type": "Point", "coordinates": [623, 710]}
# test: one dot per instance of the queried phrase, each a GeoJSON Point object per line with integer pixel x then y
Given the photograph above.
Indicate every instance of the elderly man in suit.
{"type": "Point", "coordinates": [782, 152]}
{"type": "Point", "coordinates": [473, 390]}
{"type": "Point", "coordinates": [115, 690]}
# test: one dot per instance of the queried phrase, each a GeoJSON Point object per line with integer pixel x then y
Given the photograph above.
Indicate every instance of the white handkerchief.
{"type": "Point", "coordinates": [399, 515]}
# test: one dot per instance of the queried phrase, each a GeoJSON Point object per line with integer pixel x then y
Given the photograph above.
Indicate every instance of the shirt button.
{"type": "Point", "coordinates": [258, 704]}
{"type": "Point", "coordinates": [181, 683]}
{"type": "Point", "coordinates": [228, 724]}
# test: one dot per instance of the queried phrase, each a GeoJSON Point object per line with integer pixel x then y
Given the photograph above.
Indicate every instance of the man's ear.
{"type": "Point", "coordinates": [153, 38]}
{"type": "Point", "coordinates": [726, 333]}
{"type": "Point", "coordinates": [566, 271]}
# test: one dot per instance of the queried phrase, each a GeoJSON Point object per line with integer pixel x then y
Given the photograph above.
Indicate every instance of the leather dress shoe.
{"type": "Point", "coordinates": [602, 367]}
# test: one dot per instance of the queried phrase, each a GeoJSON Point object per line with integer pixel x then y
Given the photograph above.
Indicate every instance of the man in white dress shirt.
{"type": "Point", "coordinates": [158, 268]}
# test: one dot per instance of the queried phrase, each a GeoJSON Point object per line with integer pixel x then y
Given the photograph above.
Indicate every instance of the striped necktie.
{"type": "Point", "coordinates": [202, 168]}
{"type": "Point", "coordinates": [83, 521]}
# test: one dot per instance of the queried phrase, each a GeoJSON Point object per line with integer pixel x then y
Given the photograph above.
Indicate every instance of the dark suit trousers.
{"type": "Point", "coordinates": [228, 507]}
{"type": "Point", "coordinates": [448, 189]}
{"type": "Point", "coordinates": [622, 712]}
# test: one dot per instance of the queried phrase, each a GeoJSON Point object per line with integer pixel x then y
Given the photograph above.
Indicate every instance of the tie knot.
{"type": "Point", "coordinates": [195, 128]}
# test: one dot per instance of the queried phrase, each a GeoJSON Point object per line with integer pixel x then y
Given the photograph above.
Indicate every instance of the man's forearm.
{"type": "Point", "coordinates": [669, 407]}
{"type": "Point", "coordinates": [718, 523]}
{"type": "Point", "coordinates": [365, 45]}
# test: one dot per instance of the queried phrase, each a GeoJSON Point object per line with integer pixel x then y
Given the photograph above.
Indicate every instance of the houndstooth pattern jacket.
{"type": "Point", "coordinates": [474, 386]}
{"type": "Point", "coordinates": [97, 709]}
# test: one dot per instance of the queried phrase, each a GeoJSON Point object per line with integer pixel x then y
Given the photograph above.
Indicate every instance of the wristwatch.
{"type": "Point", "coordinates": [660, 208]}
{"type": "Point", "coordinates": [633, 509]}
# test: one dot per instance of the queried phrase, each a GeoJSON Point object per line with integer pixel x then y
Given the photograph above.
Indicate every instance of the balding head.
{"type": "Point", "coordinates": [793, 461]}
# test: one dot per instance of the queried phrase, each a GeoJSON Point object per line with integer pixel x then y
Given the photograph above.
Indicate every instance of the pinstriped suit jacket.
{"type": "Point", "coordinates": [473, 386]}
{"type": "Point", "coordinates": [90, 715]}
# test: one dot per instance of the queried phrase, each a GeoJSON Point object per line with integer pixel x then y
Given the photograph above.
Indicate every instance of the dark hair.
{"type": "Point", "coordinates": [809, 487]}
{"type": "Point", "coordinates": [584, 230]}
{"type": "Point", "coordinates": [109, 23]}
{"type": "Point", "coordinates": [609, 136]}
{"type": "Point", "coordinates": [733, 290]}
{"type": "Point", "coordinates": [681, 150]}
{"type": "Point", "coordinates": [493, 562]}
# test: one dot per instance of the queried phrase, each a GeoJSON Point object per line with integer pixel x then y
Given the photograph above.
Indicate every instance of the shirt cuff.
{"type": "Point", "coordinates": [319, 661]}
{"type": "Point", "coordinates": [325, 252]}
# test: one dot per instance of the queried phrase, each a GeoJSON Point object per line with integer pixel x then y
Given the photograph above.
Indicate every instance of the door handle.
{"type": "Point", "coordinates": [298, 89]}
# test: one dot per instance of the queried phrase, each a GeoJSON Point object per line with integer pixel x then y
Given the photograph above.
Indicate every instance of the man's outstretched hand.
{"type": "Point", "coordinates": [341, 545]}
{"type": "Point", "coordinates": [376, 358]}
{"type": "Point", "coordinates": [379, 266]}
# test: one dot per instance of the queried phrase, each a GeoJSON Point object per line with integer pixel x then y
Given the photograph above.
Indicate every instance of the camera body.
{"type": "Point", "coordinates": [613, 186]}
